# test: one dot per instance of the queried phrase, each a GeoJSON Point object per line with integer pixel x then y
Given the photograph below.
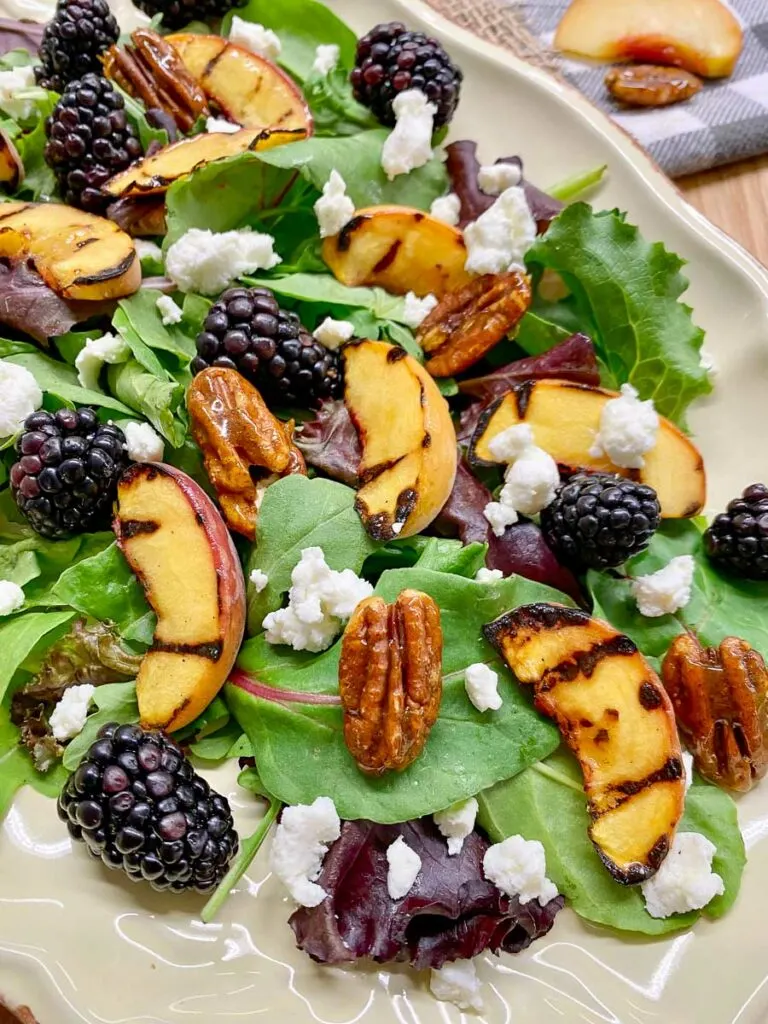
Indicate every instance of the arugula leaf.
{"type": "Point", "coordinates": [115, 702]}
{"type": "Point", "coordinates": [156, 397]}
{"type": "Point", "coordinates": [60, 380]}
{"type": "Point", "coordinates": [551, 807]}
{"type": "Point", "coordinates": [140, 316]}
{"type": "Point", "coordinates": [628, 291]}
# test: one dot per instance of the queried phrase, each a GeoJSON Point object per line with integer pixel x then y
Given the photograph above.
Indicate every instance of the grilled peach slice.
{"type": "Point", "coordinates": [175, 540]}
{"type": "Point", "coordinates": [699, 35]}
{"type": "Point", "coordinates": [407, 437]}
{"type": "Point", "coordinates": [399, 249]}
{"type": "Point", "coordinates": [565, 417]}
{"type": "Point", "coordinates": [617, 719]}
{"type": "Point", "coordinates": [11, 167]}
{"type": "Point", "coordinates": [250, 90]}
{"type": "Point", "coordinates": [78, 255]}
{"type": "Point", "coordinates": [155, 174]}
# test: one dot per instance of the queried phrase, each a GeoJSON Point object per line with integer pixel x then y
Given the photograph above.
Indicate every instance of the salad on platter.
{"type": "Point", "coordinates": [331, 450]}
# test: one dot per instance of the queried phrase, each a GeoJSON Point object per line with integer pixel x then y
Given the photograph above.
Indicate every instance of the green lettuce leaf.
{"type": "Point", "coordinates": [156, 397]}
{"type": "Point", "coordinates": [60, 381]}
{"type": "Point", "coordinates": [141, 318]}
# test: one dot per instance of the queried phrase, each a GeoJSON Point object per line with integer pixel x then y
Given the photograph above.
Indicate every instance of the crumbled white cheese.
{"type": "Point", "coordinates": [147, 250]}
{"type": "Point", "coordinates": [68, 717]}
{"type": "Point", "coordinates": [20, 396]}
{"type": "Point", "coordinates": [404, 867]}
{"type": "Point", "coordinates": [334, 333]}
{"type": "Point", "coordinates": [494, 179]}
{"type": "Point", "coordinates": [206, 262]}
{"type": "Point", "coordinates": [143, 443]}
{"type": "Point", "coordinates": [254, 37]}
{"type": "Point", "coordinates": [416, 310]}
{"type": "Point", "coordinates": [219, 125]}
{"type": "Point", "coordinates": [258, 580]}
{"type": "Point", "coordinates": [326, 59]}
{"type": "Point", "coordinates": [300, 844]}
{"type": "Point", "coordinates": [13, 83]}
{"type": "Point", "coordinates": [11, 597]}
{"type": "Point", "coordinates": [409, 144]}
{"type": "Point", "coordinates": [457, 982]}
{"type": "Point", "coordinates": [511, 443]}
{"type": "Point", "coordinates": [488, 575]}
{"type": "Point", "coordinates": [688, 769]}
{"type": "Point", "coordinates": [482, 685]}
{"type": "Point", "coordinates": [499, 516]}
{"type": "Point", "coordinates": [685, 881]}
{"type": "Point", "coordinates": [531, 482]}
{"type": "Point", "coordinates": [628, 429]}
{"type": "Point", "coordinates": [334, 208]}
{"type": "Point", "coordinates": [170, 312]}
{"type": "Point", "coordinates": [518, 867]}
{"type": "Point", "coordinates": [320, 602]}
{"type": "Point", "coordinates": [456, 823]}
{"type": "Point", "coordinates": [499, 239]}
{"type": "Point", "coordinates": [109, 348]}
{"type": "Point", "coordinates": [447, 208]}
{"type": "Point", "coordinates": [666, 591]}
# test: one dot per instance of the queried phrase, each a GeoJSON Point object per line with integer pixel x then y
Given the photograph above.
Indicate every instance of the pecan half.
{"type": "Point", "coordinates": [647, 85]}
{"type": "Point", "coordinates": [720, 696]}
{"type": "Point", "coordinates": [468, 322]}
{"type": "Point", "coordinates": [245, 448]}
{"type": "Point", "coordinates": [390, 680]}
{"type": "Point", "coordinates": [152, 70]}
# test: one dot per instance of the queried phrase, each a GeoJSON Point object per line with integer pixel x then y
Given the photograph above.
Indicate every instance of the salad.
{"type": "Point", "coordinates": [329, 450]}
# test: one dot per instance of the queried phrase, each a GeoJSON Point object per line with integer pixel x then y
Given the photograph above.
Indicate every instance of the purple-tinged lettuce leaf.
{"type": "Point", "coordinates": [331, 444]}
{"type": "Point", "coordinates": [20, 35]}
{"type": "Point", "coordinates": [451, 913]}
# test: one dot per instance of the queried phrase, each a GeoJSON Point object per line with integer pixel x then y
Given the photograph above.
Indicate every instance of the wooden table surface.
{"type": "Point", "coordinates": [736, 199]}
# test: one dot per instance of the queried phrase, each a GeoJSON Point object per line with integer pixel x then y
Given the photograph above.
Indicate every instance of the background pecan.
{"type": "Point", "coordinates": [390, 680]}
{"type": "Point", "coordinates": [647, 85]}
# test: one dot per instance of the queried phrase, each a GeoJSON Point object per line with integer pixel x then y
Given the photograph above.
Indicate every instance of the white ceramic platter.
{"type": "Point", "coordinates": [80, 944]}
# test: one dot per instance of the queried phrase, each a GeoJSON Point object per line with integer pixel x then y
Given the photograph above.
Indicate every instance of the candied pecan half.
{"type": "Point", "coordinates": [390, 680]}
{"type": "Point", "coordinates": [720, 697]}
{"type": "Point", "coordinates": [245, 448]}
{"type": "Point", "coordinates": [468, 322]}
{"type": "Point", "coordinates": [647, 85]}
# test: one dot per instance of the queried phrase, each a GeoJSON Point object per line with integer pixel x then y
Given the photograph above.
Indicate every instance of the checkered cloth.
{"type": "Point", "coordinates": [727, 121]}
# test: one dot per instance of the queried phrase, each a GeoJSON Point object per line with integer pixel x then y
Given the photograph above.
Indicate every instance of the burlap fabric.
{"type": "Point", "coordinates": [497, 22]}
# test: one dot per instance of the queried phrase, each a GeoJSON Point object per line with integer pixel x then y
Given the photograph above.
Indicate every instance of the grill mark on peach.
{"type": "Point", "coordinates": [85, 242]}
{"type": "Point", "coordinates": [209, 67]}
{"type": "Point", "coordinates": [108, 273]}
{"type": "Point", "coordinates": [389, 257]}
{"type": "Point", "coordinates": [522, 393]}
{"type": "Point", "coordinates": [15, 213]}
{"type": "Point", "coordinates": [584, 663]}
{"type": "Point", "coordinates": [130, 528]}
{"type": "Point", "coordinates": [211, 651]}
{"type": "Point", "coordinates": [395, 354]}
{"type": "Point", "coordinates": [650, 696]}
{"type": "Point", "coordinates": [670, 771]}
{"type": "Point", "coordinates": [344, 241]}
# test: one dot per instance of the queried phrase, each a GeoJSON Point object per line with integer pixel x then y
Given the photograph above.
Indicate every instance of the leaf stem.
{"type": "Point", "coordinates": [556, 776]}
{"type": "Point", "coordinates": [248, 850]}
{"type": "Point", "coordinates": [258, 689]}
{"type": "Point", "coordinates": [573, 187]}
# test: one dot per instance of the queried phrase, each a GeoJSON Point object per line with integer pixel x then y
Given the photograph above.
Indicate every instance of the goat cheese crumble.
{"type": "Point", "coordinates": [482, 685]}
{"type": "Point", "coordinates": [299, 847]}
{"type": "Point", "coordinates": [149, 251]}
{"type": "Point", "coordinates": [456, 823]}
{"type": "Point", "coordinates": [685, 881]}
{"type": "Point", "coordinates": [143, 443]}
{"type": "Point", "coordinates": [258, 580]}
{"type": "Point", "coordinates": [13, 84]}
{"type": "Point", "coordinates": [20, 396]}
{"type": "Point", "coordinates": [254, 37]}
{"type": "Point", "coordinates": [499, 239]}
{"type": "Point", "coordinates": [334, 333]}
{"type": "Point", "coordinates": [404, 865]}
{"type": "Point", "coordinates": [416, 310]}
{"type": "Point", "coordinates": [69, 716]}
{"type": "Point", "coordinates": [409, 144]}
{"type": "Point", "coordinates": [447, 208]}
{"type": "Point", "coordinates": [518, 867]}
{"type": "Point", "coordinates": [511, 443]}
{"type": "Point", "coordinates": [320, 602]}
{"type": "Point", "coordinates": [488, 575]}
{"type": "Point", "coordinates": [326, 59]}
{"type": "Point", "coordinates": [457, 982]}
{"type": "Point", "coordinates": [666, 591]}
{"type": "Point", "coordinates": [530, 482]}
{"type": "Point", "coordinates": [334, 208]}
{"type": "Point", "coordinates": [11, 597]}
{"type": "Point", "coordinates": [219, 125]}
{"type": "Point", "coordinates": [499, 517]}
{"type": "Point", "coordinates": [209, 262]}
{"type": "Point", "coordinates": [494, 179]}
{"type": "Point", "coordinates": [628, 429]}
{"type": "Point", "coordinates": [109, 348]}
{"type": "Point", "coordinates": [170, 312]}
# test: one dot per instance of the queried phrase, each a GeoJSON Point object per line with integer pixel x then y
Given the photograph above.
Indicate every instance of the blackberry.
{"type": "Point", "coordinates": [390, 59]}
{"type": "Point", "coordinates": [89, 140]}
{"type": "Point", "coordinates": [737, 539]}
{"type": "Point", "coordinates": [598, 520]}
{"type": "Point", "coordinates": [178, 13]}
{"type": "Point", "coordinates": [74, 40]}
{"type": "Point", "coordinates": [66, 476]}
{"type": "Point", "coordinates": [137, 804]}
{"type": "Point", "coordinates": [246, 330]}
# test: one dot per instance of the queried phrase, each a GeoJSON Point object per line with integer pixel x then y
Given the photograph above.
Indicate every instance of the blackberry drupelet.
{"type": "Point", "coordinates": [66, 476]}
{"type": "Point", "coordinates": [246, 330]}
{"type": "Point", "coordinates": [737, 539]}
{"type": "Point", "coordinates": [74, 40]}
{"type": "Point", "coordinates": [598, 520]}
{"type": "Point", "coordinates": [178, 13]}
{"type": "Point", "coordinates": [137, 804]}
{"type": "Point", "coordinates": [89, 140]}
{"type": "Point", "coordinates": [390, 59]}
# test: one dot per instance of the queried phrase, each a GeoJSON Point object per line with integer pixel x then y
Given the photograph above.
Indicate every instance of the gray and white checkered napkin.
{"type": "Point", "coordinates": [727, 121]}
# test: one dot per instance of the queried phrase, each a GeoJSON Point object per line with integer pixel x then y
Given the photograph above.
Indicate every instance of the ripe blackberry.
{"type": "Point", "coordinates": [246, 330]}
{"type": "Point", "coordinates": [737, 539]}
{"type": "Point", "coordinates": [138, 804]}
{"type": "Point", "coordinates": [178, 13]}
{"type": "Point", "coordinates": [66, 476]}
{"type": "Point", "coordinates": [73, 40]}
{"type": "Point", "coordinates": [89, 140]}
{"type": "Point", "coordinates": [391, 59]}
{"type": "Point", "coordinates": [599, 520]}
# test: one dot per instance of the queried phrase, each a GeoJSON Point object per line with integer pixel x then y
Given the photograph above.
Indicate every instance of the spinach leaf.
{"type": "Point", "coordinates": [36, 563]}
{"type": "Point", "coordinates": [61, 381]}
{"type": "Point", "coordinates": [156, 397]}
{"type": "Point", "coordinates": [328, 294]}
{"type": "Point", "coordinates": [536, 334]}
{"type": "Point", "coordinates": [550, 806]}
{"type": "Point", "coordinates": [20, 636]}
{"type": "Point", "coordinates": [444, 555]}
{"type": "Point", "coordinates": [142, 318]}
{"type": "Point", "coordinates": [115, 702]}
{"type": "Point", "coordinates": [335, 111]}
